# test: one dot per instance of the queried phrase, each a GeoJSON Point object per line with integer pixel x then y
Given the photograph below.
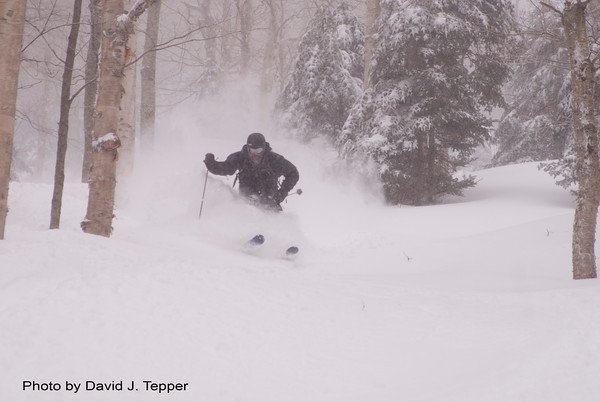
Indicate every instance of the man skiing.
{"type": "Point", "coordinates": [259, 169]}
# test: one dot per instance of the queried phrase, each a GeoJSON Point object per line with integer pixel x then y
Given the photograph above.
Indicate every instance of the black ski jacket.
{"type": "Point", "coordinates": [259, 181]}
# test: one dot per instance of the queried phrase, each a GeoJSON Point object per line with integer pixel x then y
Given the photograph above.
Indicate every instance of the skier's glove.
{"type": "Point", "coordinates": [209, 160]}
{"type": "Point", "coordinates": [280, 196]}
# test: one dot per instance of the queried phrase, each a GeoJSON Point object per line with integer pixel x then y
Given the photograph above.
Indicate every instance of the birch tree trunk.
{"type": "Point", "coordinates": [586, 139]}
{"type": "Point", "coordinates": [116, 27]}
{"type": "Point", "coordinates": [91, 72]}
{"type": "Point", "coordinates": [12, 20]}
{"type": "Point", "coordinates": [63, 124]}
{"type": "Point", "coordinates": [373, 10]}
{"type": "Point", "coordinates": [126, 130]}
{"type": "Point", "coordinates": [148, 73]}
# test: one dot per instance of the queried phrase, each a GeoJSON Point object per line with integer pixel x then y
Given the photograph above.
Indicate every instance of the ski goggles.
{"type": "Point", "coordinates": [256, 151]}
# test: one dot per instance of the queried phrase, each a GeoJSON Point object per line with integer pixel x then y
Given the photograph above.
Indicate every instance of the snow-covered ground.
{"type": "Point", "coordinates": [470, 300]}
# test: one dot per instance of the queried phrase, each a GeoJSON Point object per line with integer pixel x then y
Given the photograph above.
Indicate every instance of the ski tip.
{"type": "Point", "coordinates": [258, 239]}
{"type": "Point", "coordinates": [292, 251]}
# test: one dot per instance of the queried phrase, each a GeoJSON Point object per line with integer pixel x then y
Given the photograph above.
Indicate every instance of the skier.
{"type": "Point", "coordinates": [259, 170]}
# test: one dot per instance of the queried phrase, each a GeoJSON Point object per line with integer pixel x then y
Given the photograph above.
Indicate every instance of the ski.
{"type": "Point", "coordinates": [252, 245]}
{"type": "Point", "coordinates": [259, 239]}
{"type": "Point", "coordinates": [291, 251]}
{"type": "Point", "coordinates": [256, 240]}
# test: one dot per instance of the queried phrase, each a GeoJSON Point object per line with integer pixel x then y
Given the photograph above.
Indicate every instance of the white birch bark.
{"type": "Point", "coordinates": [12, 19]}
{"type": "Point", "coordinates": [586, 139]}
{"type": "Point", "coordinates": [126, 130]}
{"type": "Point", "coordinates": [373, 10]}
{"type": "Point", "coordinates": [116, 27]}
{"type": "Point", "coordinates": [91, 90]}
{"type": "Point", "coordinates": [148, 75]}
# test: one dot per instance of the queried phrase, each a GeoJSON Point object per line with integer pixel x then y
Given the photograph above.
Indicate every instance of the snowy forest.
{"type": "Point", "coordinates": [448, 191]}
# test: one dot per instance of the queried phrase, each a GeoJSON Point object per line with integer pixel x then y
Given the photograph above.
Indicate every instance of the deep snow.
{"type": "Point", "coordinates": [470, 300]}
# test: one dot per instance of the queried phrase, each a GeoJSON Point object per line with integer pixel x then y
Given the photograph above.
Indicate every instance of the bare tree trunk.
{"type": "Point", "coordinates": [44, 135]}
{"type": "Point", "coordinates": [148, 73]}
{"type": "Point", "coordinates": [126, 130]}
{"type": "Point", "coordinates": [226, 26]}
{"type": "Point", "coordinates": [116, 27]}
{"type": "Point", "coordinates": [373, 10]}
{"type": "Point", "coordinates": [586, 139]}
{"type": "Point", "coordinates": [244, 12]}
{"type": "Point", "coordinates": [421, 169]}
{"type": "Point", "coordinates": [271, 49]}
{"type": "Point", "coordinates": [429, 194]}
{"type": "Point", "coordinates": [209, 33]}
{"type": "Point", "coordinates": [91, 71]}
{"type": "Point", "coordinates": [63, 124]}
{"type": "Point", "coordinates": [212, 74]}
{"type": "Point", "coordinates": [12, 19]}
{"type": "Point", "coordinates": [283, 61]}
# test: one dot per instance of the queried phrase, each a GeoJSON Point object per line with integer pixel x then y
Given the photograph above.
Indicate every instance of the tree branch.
{"type": "Point", "coordinates": [551, 8]}
{"type": "Point", "coordinates": [169, 44]}
{"type": "Point", "coordinates": [44, 32]}
{"type": "Point", "coordinates": [72, 98]}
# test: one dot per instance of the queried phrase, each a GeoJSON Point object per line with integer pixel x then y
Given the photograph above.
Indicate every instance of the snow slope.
{"type": "Point", "coordinates": [470, 300]}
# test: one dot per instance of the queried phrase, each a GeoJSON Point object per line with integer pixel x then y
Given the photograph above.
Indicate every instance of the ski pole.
{"type": "Point", "coordinates": [299, 191]}
{"type": "Point", "coordinates": [203, 192]}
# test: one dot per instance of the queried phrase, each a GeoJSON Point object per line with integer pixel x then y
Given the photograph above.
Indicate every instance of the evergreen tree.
{"type": "Point", "coordinates": [326, 80]}
{"type": "Point", "coordinates": [437, 68]}
{"type": "Point", "coordinates": [537, 125]}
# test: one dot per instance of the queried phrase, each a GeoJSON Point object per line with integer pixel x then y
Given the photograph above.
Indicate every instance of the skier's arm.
{"type": "Point", "coordinates": [290, 176]}
{"type": "Point", "coordinates": [225, 168]}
